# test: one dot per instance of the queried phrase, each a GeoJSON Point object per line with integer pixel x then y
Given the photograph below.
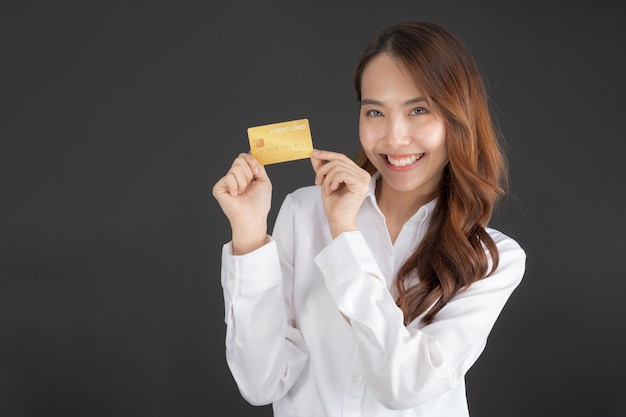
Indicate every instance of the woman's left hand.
{"type": "Point", "coordinates": [344, 186]}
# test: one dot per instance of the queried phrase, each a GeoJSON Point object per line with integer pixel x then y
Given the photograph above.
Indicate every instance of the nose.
{"type": "Point", "coordinates": [398, 133]}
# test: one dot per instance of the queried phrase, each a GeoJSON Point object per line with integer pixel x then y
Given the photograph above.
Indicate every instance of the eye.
{"type": "Point", "coordinates": [373, 113]}
{"type": "Point", "coordinates": [418, 110]}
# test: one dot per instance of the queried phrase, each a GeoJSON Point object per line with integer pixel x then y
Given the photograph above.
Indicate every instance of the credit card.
{"type": "Point", "coordinates": [281, 142]}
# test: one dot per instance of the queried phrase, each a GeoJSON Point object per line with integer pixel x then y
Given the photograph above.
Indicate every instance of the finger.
{"type": "Point", "coordinates": [251, 161]}
{"type": "Point", "coordinates": [317, 166]}
{"type": "Point", "coordinates": [239, 176]}
{"type": "Point", "coordinates": [355, 178]}
{"type": "Point", "coordinates": [219, 187]}
{"type": "Point", "coordinates": [247, 160]}
{"type": "Point", "coordinates": [329, 156]}
{"type": "Point", "coordinates": [226, 184]}
{"type": "Point", "coordinates": [348, 167]}
{"type": "Point", "coordinates": [258, 170]}
{"type": "Point", "coordinates": [316, 161]}
{"type": "Point", "coordinates": [320, 160]}
{"type": "Point", "coordinates": [231, 185]}
{"type": "Point", "coordinates": [334, 178]}
{"type": "Point", "coordinates": [242, 172]}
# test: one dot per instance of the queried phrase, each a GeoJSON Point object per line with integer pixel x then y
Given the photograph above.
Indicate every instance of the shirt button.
{"type": "Point", "coordinates": [231, 276]}
{"type": "Point", "coordinates": [357, 379]}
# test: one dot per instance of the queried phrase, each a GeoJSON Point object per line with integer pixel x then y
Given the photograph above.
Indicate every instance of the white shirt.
{"type": "Point", "coordinates": [313, 328]}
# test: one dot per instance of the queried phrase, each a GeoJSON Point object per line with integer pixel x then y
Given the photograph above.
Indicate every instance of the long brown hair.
{"type": "Point", "coordinates": [451, 256]}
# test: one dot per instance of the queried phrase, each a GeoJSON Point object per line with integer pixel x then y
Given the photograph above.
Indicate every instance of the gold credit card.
{"type": "Point", "coordinates": [280, 142]}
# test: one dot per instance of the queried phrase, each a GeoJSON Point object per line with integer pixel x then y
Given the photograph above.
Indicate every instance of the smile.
{"type": "Point", "coordinates": [403, 160]}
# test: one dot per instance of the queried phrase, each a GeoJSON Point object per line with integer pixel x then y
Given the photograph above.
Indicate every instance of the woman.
{"type": "Point", "coordinates": [379, 285]}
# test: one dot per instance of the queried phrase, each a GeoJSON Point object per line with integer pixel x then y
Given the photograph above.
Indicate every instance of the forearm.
{"type": "Point", "coordinates": [408, 365]}
{"type": "Point", "coordinates": [264, 352]}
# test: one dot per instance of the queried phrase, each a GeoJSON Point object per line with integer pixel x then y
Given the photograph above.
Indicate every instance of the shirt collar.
{"type": "Point", "coordinates": [424, 212]}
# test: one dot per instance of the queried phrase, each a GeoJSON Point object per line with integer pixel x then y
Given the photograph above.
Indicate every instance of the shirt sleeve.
{"type": "Point", "coordinates": [264, 351]}
{"type": "Point", "coordinates": [409, 365]}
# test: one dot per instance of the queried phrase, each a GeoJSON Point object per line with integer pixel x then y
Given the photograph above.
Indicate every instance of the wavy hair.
{"type": "Point", "coordinates": [452, 254]}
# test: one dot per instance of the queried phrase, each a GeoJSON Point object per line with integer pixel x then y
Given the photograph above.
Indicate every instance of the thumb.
{"type": "Point", "coordinates": [259, 173]}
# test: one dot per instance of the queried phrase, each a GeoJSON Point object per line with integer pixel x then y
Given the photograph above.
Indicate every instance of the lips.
{"type": "Point", "coordinates": [403, 160]}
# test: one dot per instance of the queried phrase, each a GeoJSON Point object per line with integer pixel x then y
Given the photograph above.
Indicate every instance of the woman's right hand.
{"type": "Point", "coordinates": [245, 196]}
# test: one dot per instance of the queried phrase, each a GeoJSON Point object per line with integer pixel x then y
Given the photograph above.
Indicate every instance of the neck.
{"type": "Point", "coordinates": [399, 206]}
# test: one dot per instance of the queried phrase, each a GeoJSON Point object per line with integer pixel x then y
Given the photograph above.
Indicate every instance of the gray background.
{"type": "Point", "coordinates": [118, 118]}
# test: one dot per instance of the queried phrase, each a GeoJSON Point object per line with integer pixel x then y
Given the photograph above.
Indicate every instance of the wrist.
{"type": "Point", "coordinates": [337, 229]}
{"type": "Point", "coordinates": [249, 244]}
{"type": "Point", "coordinates": [248, 237]}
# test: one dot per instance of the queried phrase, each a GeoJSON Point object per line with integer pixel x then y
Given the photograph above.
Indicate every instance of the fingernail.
{"type": "Point", "coordinates": [316, 152]}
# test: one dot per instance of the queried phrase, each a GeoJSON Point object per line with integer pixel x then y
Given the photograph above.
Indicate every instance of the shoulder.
{"type": "Point", "coordinates": [502, 240]}
{"type": "Point", "coordinates": [511, 254]}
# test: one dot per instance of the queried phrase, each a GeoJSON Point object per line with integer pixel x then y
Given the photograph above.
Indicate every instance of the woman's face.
{"type": "Point", "coordinates": [402, 135]}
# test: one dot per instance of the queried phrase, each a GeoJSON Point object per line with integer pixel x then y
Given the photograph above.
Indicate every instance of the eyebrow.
{"type": "Point", "coordinates": [370, 101]}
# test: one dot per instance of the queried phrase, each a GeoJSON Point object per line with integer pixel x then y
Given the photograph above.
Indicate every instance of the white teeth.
{"type": "Point", "coordinates": [403, 161]}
